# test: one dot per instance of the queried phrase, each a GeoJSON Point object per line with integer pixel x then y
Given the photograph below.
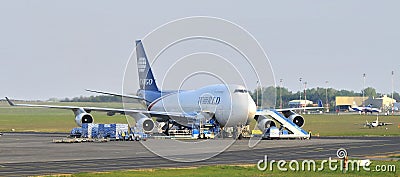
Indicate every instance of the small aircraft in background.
{"type": "Point", "coordinates": [366, 109]}
{"type": "Point", "coordinates": [376, 123]}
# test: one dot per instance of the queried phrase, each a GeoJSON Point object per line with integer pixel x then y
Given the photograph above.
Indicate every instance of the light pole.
{"type": "Point", "coordinates": [363, 101]}
{"type": "Point", "coordinates": [257, 94]}
{"type": "Point", "coordinates": [301, 85]}
{"type": "Point", "coordinates": [305, 94]}
{"type": "Point", "coordinates": [326, 98]}
{"type": "Point", "coordinates": [280, 93]}
{"type": "Point", "coordinates": [305, 97]}
{"type": "Point", "coordinates": [392, 92]}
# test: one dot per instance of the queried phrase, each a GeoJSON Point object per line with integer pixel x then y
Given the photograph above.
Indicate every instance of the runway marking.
{"type": "Point", "coordinates": [318, 149]}
{"type": "Point", "coordinates": [390, 152]}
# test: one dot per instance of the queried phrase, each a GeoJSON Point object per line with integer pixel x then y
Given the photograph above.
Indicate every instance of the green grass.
{"type": "Point", "coordinates": [248, 170]}
{"type": "Point", "coordinates": [350, 125]}
{"type": "Point", "coordinates": [347, 125]}
{"type": "Point", "coordinates": [24, 119]}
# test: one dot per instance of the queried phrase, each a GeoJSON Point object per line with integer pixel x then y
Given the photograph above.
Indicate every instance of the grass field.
{"type": "Point", "coordinates": [248, 170]}
{"type": "Point", "coordinates": [55, 120]}
{"type": "Point", "coordinates": [350, 125]}
{"type": "Point", "coordinates": [23, 119]}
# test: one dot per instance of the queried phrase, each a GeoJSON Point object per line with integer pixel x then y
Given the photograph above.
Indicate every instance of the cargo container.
{"type": "Point", "coordinates": [84, 130]}
{"type": "Point", "coordinates": [91, 130]}
{"type": "Point", "coordinates": [95, 130]}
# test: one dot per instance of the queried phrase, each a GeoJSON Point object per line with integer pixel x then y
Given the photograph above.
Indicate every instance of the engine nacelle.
{"type": "Point", "coordinates": [83, 118]}
{"type": "Point", "coordinates": [294, 117]}
{"type": "Point", "coordinates": [264, 123]}
{"type": "Point", "coordinates": [297, 119]}
{"type": "Point", "coordinates": [145, 124]}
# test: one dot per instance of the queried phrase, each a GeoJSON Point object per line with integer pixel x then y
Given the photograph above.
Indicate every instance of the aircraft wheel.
{"type": "Point", "coordinates": [240, 136]}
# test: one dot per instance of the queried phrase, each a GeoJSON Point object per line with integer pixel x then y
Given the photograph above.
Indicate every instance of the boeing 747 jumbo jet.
{"type": "Point", "coordinates": [220, 105]}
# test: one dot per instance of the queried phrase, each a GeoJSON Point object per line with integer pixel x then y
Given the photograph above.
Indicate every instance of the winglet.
{"type": "Point", "coordinates": [95, 91]}
{"type": "Point", "coordinates": [10, 102]}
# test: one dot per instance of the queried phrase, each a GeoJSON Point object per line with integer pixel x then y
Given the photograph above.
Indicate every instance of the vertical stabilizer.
{"type": "Point", "coordinates": [146, 77]}
{"type": "Point", "coordinates": [320, 103]}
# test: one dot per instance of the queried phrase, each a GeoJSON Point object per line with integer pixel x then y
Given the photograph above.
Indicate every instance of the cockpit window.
{"type": "Point", "coordinates": [240, 91]}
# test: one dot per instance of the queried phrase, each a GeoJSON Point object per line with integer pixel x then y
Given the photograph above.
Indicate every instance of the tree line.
{"type": "Point", "coordinates": [99, 98]}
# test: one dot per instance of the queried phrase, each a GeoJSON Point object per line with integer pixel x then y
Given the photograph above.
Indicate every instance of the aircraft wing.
{"type": "Point", "coordinates": [357, 109]}
{"type": "Point", "coordinates": [111, 110]}
{"type": "Point", "coordinates": [387, 123]}
{"type": "Point", "coordinates": [292, 109]}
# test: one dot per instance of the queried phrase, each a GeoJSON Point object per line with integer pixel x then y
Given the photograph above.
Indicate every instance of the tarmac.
{"type": "Point", "coordinates": [28, 154]}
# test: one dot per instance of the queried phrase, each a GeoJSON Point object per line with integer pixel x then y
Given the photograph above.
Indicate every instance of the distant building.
{"type": "Point", "coordinates": [344, 103]}
{"type": "Point", "coordinates": [384, 103]}
{"type": "Point", "coordinates": [299, 103]}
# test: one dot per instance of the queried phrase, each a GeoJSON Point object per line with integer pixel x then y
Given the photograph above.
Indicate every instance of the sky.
{"type": "Point", "coordinates": [56, 49]}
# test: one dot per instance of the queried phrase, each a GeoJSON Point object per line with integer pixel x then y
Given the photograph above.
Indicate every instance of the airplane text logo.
{"type": "Point", "coordinates": [142, 64]}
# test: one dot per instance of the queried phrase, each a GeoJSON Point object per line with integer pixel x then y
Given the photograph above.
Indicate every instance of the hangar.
{"type": "Point", "coordinates": [384, 103]}
{"type": "Point", "coordinates": [344, 103]}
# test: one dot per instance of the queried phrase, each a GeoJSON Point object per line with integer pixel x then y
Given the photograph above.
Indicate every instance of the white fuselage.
{"type": "Point", "coordinates": [231, 104]}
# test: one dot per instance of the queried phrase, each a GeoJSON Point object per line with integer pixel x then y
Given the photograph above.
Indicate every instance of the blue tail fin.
{"type": "Point", "coordinates": [146, 78]}
{"type": "Point", "coordinates": [320, 103]}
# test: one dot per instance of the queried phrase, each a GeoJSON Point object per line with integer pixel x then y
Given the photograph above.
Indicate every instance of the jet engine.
{"type": "Point", "coordinates": [145, 124]}
{"type": "Point", "coordinates": [83, 118]}
{"type": "Point", "coordinates": [264, 123]}
{"type": "Point", "coordinates": [294, 117]}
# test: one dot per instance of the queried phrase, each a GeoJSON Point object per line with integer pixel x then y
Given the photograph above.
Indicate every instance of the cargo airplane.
{"type": "Point", "coordinates": [226, 105]}
{"type": "Point", "coordinates": [366, 109]}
